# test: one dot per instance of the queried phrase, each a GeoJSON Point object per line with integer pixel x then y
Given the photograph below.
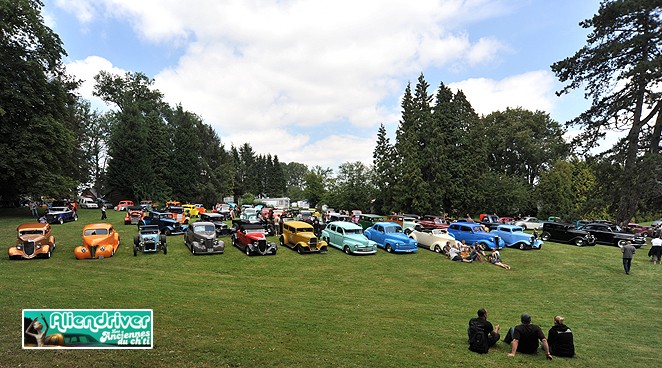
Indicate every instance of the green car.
{"type": "Point", "coordinates": [368, 219]}
{"type": "Point", "coordinates": [348, 237]}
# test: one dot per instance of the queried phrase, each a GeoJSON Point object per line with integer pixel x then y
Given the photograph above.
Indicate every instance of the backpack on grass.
{"type": "Point", "coordinates": [478, 338]}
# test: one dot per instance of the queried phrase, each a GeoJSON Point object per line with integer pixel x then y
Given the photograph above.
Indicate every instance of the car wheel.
{"type": "Point", "coordinates": [75, 217]}
{"type": "Point", "coordinates": [48, 255]}
{"type": "Point", "coordinates": [192, 249]}
{"type": "Point", "coordinates": [522, 246]}
{"type": "Point", "coordinates": [524, 226]}
{"type": "Point", "coordinates": [437, 249]}
{"type": "Point", "coordinates": [621, 243]}
{"type": "Point", "coordinates": [579, 242]}
{"type": "Point", "coordinates": [282, 241]}
{"type": "Point", "coordinates": [346, 249]}
{"type": "Point", "coordinates": [165, 249]}
{"type": "Point", "coordinates": [299, 249]}
{"type": "Point", "coordinates": [248, 251]}
{"type": "Point", "coordinates": [545, 236]}
{"type": "Point", "coordinates": [135, 250]}
{"type": "Point", "coordinates": [388, 248]}
{"type": "Point", "coordinates": [61, 221]}
{"type": "Point", "coordinates": [167, 232]}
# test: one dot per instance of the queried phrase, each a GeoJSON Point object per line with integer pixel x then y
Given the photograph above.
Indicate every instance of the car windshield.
{"type": "Point", "coordinates": [517, 230]}
{"type": "Point", "coordinates": [254, 231]}
{"type": "Point", "coordinates": [353, 231]}
{"type": "Point", "coordinates": [617, 229]}
{"type": "Point", "coordinates": [305, 230]}
{"type": "Point", "coordinates": [149, 231]}
{"type": "Point", "coordinates": [30, 232]}
{"type": "Point", "coordinates": [60, 209]}
{"type": "Point", "coordinates": [204, 229]}
{"type": "Point", "coordinates": [91, 232]}
{"type": "Point", "coordinates": [438, 232]}
{"type": "Point", "coordinates": [393, 229]}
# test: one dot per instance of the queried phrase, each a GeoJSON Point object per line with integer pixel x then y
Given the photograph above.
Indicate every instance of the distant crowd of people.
{"type": "Point", "coordinates": [462, 252]}
{"type": "Point", "coordinates": [525, 338]}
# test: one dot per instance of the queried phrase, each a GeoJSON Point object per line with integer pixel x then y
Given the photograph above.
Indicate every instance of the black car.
{"type": "Point", "coordinates": [218, 220]}
{"type": "Point", "coordinates": [200, 238]}
{"type": "Point", "coordinates": [560, 232]}
{"type": "Point", "coordinates": [165, 222]}
{"type": "Point", "coordinates": [611, 234]}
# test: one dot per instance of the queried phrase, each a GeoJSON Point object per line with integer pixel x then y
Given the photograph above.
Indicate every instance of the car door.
{"type": "Point", "coordinates": [378, 234]}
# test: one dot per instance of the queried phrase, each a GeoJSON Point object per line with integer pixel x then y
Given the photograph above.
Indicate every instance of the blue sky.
{"type": "Point", "coordinates": [310, 81]}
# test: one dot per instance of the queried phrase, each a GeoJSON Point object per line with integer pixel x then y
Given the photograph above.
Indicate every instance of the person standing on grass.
{"type": "Point", "coordinates": [656, 249]}
{"type": "Point", "coordinates": [103, 212]}
{"type": "Point", "coordinates": [628, 252]}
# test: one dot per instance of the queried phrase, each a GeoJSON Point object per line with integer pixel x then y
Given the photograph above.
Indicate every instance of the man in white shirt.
{"type": "Point", "coordinates": [656, 249]}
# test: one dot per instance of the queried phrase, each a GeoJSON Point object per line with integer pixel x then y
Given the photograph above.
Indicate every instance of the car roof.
{"type": "Point", "coordinates": [298, 224]}
{"type": "Point", "coordinates": [345, 225]}
{"type": "Point", "coordinates": [100, 225]}
{"type": "Point", "coordinates": [509, 226]}
{"type": "Point", "coordinates": [34, 225]}
{"type": "Point", "coordinates": [466, 223]}
{"type": "Point", "coordinates": [387, 223]}
{"type": "Point", "coordinates": [202, 223]}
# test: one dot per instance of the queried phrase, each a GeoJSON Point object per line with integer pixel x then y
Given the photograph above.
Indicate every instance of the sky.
{"type": "Point", "coordinates": [312, 80]}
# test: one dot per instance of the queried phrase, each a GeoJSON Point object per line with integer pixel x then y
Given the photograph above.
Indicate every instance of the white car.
{"type": "Point", "coordinates": [88, 203]}
{"type": "Point", "coordinates": [434, 240]}
{"type": "Point", "coordinates": [529, 223]}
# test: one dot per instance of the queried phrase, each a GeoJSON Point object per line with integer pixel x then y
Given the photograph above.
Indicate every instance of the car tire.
{"type": "Point", "coordinates": [346, 250]}
{"type": "Point", "coordinates": [437, 249]}
{"type": "Point", "coordinates": [165, 249]}
{"type": "Point", "coordinates": [48, 255]}
{"type": "Point", "coordinates": [579, 242]}
{"type": "Point", "coordinates": [621, 243]}
{"type": "Point", "coordinates": [61, 220]}
{"type": "Point", "coordinates": [75, 217]}
{"type": "Point", "coordinates": [282, 241]}
{"type": "Point", "coordinates": [167, 232]}
{"type": "Point", "coordinates": [388, 248]}
{"type": "Point", "coordinates": [135, 250]}
{"type": "Point", "coordinates": [545, 236]}
{"type": "Point", "coordinates": [523, 226]}
{"type": "Point", "coordinates": [136, 240]}
{"type": "Point", "coordinates": [522, 246]}
{"type": "Point", "coordinates": [299, 249]}
{"type": "Point", "coordinates": [248, 251]}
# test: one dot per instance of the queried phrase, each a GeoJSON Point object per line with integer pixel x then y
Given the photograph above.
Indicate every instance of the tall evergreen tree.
{"type": "Point", "coordinates": [40, 154]}
{"type": "Point", "coordinates": [621, 69]}
{"type": "Point", "coordinates": [383, 172]}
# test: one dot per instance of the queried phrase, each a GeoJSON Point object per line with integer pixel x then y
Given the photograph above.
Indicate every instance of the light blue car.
{"type": "Point", "coordinates": [389, 236]}
{"type": "Point", "coordinates": [515, 237]}
{"type": "Point", "coordinates": [348, 237]}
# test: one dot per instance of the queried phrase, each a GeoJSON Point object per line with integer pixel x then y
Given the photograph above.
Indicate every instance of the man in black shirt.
{"type": "Point", "coordinates": [492, 332]}
{"type": "Point", "coordinates": [525, 338]}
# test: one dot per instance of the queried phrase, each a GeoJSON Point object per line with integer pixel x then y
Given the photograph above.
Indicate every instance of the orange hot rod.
{"type": "Point", "coordinates": [33, 240]}
{"type": "Point", "coordinates": [99, 241]}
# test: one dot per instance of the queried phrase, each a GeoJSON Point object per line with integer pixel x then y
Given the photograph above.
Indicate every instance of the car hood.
{"type": "Point", "coordinates": [57, 212]}
{"type": "Point", "coordinates": [94, 240]}
{"type": "Point", "coordinates": [256, 236]}
{"type": "Point", "coordinates": [204, 236]}
{"type": "Point", "coordinates": [400, 237]}
{"type": "Point", "coordinates": [31, 237]}
{"type": "Point", "coordinates": [357, 238]}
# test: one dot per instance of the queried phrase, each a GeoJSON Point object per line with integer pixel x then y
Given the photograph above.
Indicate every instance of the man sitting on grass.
{"type": "Point", "coordinates": [524, 338]}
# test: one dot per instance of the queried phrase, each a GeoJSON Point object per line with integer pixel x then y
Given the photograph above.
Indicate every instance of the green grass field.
{"type": "Point", "coordinates": [316, 310]}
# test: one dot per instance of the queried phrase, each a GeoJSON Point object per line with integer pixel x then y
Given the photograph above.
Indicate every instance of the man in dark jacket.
{"type": "Point", "coordinates": [524, 338]}
{"type": "Point", "coordinates": [560, 339]}
{"type": "Point", "coordinates": [491, 331]}
{"type": "Point", "coordinates": [628, 252]}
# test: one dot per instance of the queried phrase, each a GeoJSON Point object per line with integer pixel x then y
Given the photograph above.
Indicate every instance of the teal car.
{"type": "Point", "coordinates": [348, 237]}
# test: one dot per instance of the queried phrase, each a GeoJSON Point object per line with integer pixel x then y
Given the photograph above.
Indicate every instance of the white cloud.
{"type": "Point", "coordinates": [273, 66]}
{"type": "Point", "coordinates": [85, 70]}
{"type": "Point", "coordinates": [532, 91]}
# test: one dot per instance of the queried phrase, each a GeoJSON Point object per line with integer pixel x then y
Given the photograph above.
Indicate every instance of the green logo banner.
{"type": "Point", "coordinates": [88, 329]}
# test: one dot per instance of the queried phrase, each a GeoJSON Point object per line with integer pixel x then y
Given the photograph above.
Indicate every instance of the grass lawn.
{"type": "Point", "coordinates": [332, 310]}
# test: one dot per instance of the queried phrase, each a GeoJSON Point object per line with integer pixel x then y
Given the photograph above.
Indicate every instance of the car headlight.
{"type": "Point", "coordinates": [38, 246]}
{"type": "Point", "coordinates": [19, 246]}
{"type": "Point", "coordinates": [491, 239]}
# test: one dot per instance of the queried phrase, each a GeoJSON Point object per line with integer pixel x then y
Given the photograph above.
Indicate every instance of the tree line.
{"type": "Point", "coordinates": [444, 157]}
